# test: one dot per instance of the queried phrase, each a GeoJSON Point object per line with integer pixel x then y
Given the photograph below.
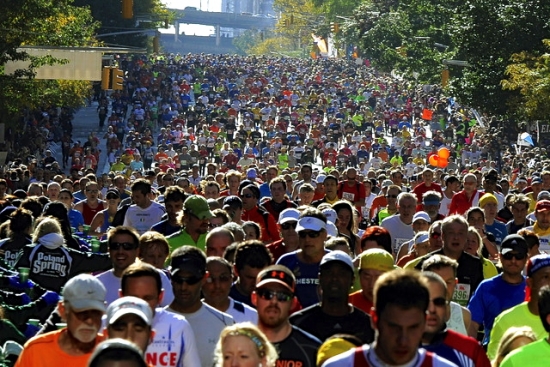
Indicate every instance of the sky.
{"type": "Point", "coordinates": [190, 29]}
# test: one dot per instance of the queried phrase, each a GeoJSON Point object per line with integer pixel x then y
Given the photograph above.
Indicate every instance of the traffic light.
{"type": "Point", "coordinates": [117, 82]}
{"type": "Point", "coordinates": [156, 44]}
{"type": "Point", "coordinates": [106, 78]}
{"type": "Point", "coordinates": [334, 27]}
{"type": "Point", "coordinates": [127, 9]}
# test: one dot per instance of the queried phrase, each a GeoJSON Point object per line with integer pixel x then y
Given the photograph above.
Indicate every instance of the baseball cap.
{"type": "Point", "coordinates": [129, 305]}
{"type": "Point", "coordinates": [486, 199]}
{"type": "Point", "coordinates": [193, 264]}
{"type": "Point", "coordinates": [330, 214]}
{"type": "Point", "coordinates": [251, 173]}
{"type": "Point", "coordinates": [536, 180]}
{"type": "Point", "coordinates": [542, 206]}
{"type": "Point", "coordinates": [387, 183]}
{"type": "Point", "coordinates": [421, 215]}
{"type": "Point", "coordinates": [331, 229]}
{"type": "Point", "coordinates": [421, 238]}
{"type": "Point", "coordinates": [113, 191]}
{"type": "Point", "coordinates": [514, 242]}
{"type": "Point", "coordinates": [85, 292]}
{"type": "Point", "coordinates": [337, 255]}
{"type": "Point", "coordinates": [276, 274]}
{"type": "Point", "coordinates": [536, 263]}
{"type": "Point", "coordinates": [233, 200]}
{"type": "Point", "coordinates": [376, 259]}
{"type": "Point", "coordinates": [543, 195]}
{"type": "Point", "coordinates": [321, 179]}
{"type": "Point", "coordinates": [289, 215]}
{"type": "Point", "coordinates": [198, 206]}
{"type": "Point", "coordinates": [311, 223]}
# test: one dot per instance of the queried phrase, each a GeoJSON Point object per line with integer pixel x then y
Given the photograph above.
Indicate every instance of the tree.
{"type": "Point", "coordinates": [487, 33]}
{"type": "Point", "coordinates": [44, 23]}
{"type": "Point", "coordinates": [530, 76]}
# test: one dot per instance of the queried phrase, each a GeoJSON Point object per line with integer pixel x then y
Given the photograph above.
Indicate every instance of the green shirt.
{"type": "Point", "coordinates": [516, 316]}
{"type": "Point", "coordinates": [536, 354]}
{"type": "Point", "coordinates": [183, 238]}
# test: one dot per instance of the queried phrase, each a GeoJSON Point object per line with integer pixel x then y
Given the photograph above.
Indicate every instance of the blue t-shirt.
{"type": "Point", "coordinates": [307, 278]}
{"type": "Point", "coordinates": [498, 229]}
{"type": "Point", "coordinates": [75, 218]}
{"type": "Point", "coordinates": [491, 297]}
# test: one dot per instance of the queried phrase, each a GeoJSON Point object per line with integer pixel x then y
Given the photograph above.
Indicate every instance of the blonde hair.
{"type": "Point", "coordinates": [264, 348]}
{"type": "Point", "coordinates": [508, 338]}
{"type": "Point", "coordinates": [45, 226]}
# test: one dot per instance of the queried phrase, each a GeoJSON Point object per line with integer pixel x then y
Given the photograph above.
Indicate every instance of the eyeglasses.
{"type": "Point", "coordinates": [247, 196]}
{"type": "Point", "coordinates": [88, 314]}
{"type": "Point", "coordinates": [127, 246]}
{"type": "Point", "coordinates": [189, 280]}
{"type": "Point", "coordinates": [269, 294]}
{"type": "Point", "coordinates": [288, 225]}
{"type": "Point", "coordinates": [310, 234]}
{"type": "Point", "coordinates": [435, 235]}
{"type": "Point", "coordinates": [391, 196]}
{"type": "Point", "coordinates": [511, 255]}
{"type": "Point", "coordinates": [221, 279]}
{"type": "Point", "coordinates": [439, 301]}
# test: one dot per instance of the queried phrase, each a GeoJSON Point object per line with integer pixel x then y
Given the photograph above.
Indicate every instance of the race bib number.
{"type": "Point", "coordinates": [348, 196]}
{"type": "Point", "coordinates": [462, 294]}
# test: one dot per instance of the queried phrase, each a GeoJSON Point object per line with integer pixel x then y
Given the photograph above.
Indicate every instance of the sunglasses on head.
{"type": "Point", "coordinates": [114, 246]}
{"type": "Point", "coordinates": [289, 225]}
{"type": "Point", "coordinates": [269, 294]}
{"type": "Point", "coordinates": [439, 301]}
{"type": "Point", "coordinates": [511, 255]}
{"type": "Point", "coordinates": [189, 280]}
{"type": "Point", "coordinates": [310, 234]}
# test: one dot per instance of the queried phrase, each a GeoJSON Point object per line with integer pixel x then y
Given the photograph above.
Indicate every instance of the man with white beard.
{"type": "Point", "coordinates": [82, 308]}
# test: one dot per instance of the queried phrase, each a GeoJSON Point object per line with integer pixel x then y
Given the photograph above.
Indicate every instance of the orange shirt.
{"type": "Point", "coordinates": [44, 351]}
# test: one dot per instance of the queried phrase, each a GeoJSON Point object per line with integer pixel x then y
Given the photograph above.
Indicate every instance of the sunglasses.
{"type": "Point", "coordinates": [435, 235]}
{"type": "Point", "coordinates": [288, 225]}
{"type": "Point", "coordinates": [510, 256]}
{"type": "Point", "coordinates": [189, 280]}
{"type": "Point", "coordinates": [439, 301]}
{"type": "Point", "coordinates": [247, 196]}
{"type": "Point", "coordinates": [92, 191]}
{"type": "Point", "coordinates": [127, 246]}
{"type": "Point", "coordinates": [269, 294]}
{"type": "Point", "coordinates": [310, 234]}
{"type": "Point", "coordinates": [391, 196]}
{"type": "Point", "coordinates": [88, 314]}
{"type": "Point", "coordinates": [112, 197]}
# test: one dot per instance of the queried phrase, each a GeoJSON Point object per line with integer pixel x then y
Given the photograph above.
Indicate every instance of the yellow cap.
{"type": "Point", "coordinates": [376, 259]}
{"type": "Point", "coordinates": [487, 198]}
{"type": "Point", "coordinates": [331, 348]}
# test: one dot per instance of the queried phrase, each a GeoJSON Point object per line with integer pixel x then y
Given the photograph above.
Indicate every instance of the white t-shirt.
{"type": "Point", "coordinates": [207, 324]}
{"type": "Point", "coordinates": [112, 285]}
{"type": "Point", "coordinates": [242, 312]}
{"type": "Point", "coordinates": [399, 231]}
{"type": "Point", "coordinates": [143, 219]}
{"type": "Point", "coordinates": [174, 344]}
{"type": "Point", "coordinates": [348, 359]}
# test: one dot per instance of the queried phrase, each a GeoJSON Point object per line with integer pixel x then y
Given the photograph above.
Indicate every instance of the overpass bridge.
{"type": "Point", "coordinates": [219, 20]}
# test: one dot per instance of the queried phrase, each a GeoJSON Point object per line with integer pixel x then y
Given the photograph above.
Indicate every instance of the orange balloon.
{"type": "Point", "coordinates": [434, 159]}
{"type": "Point", "coordinates": [442, 163]}
{"type": "Point", "coordinates": [444, 153]}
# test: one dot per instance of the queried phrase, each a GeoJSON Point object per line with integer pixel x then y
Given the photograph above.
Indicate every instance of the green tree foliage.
{"type": "Point", "coordinates": [487, 33]}
{"type": "Point", "coordinates": [530, 76]}
{"type": "Point", "coordinates": [39, 23]}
